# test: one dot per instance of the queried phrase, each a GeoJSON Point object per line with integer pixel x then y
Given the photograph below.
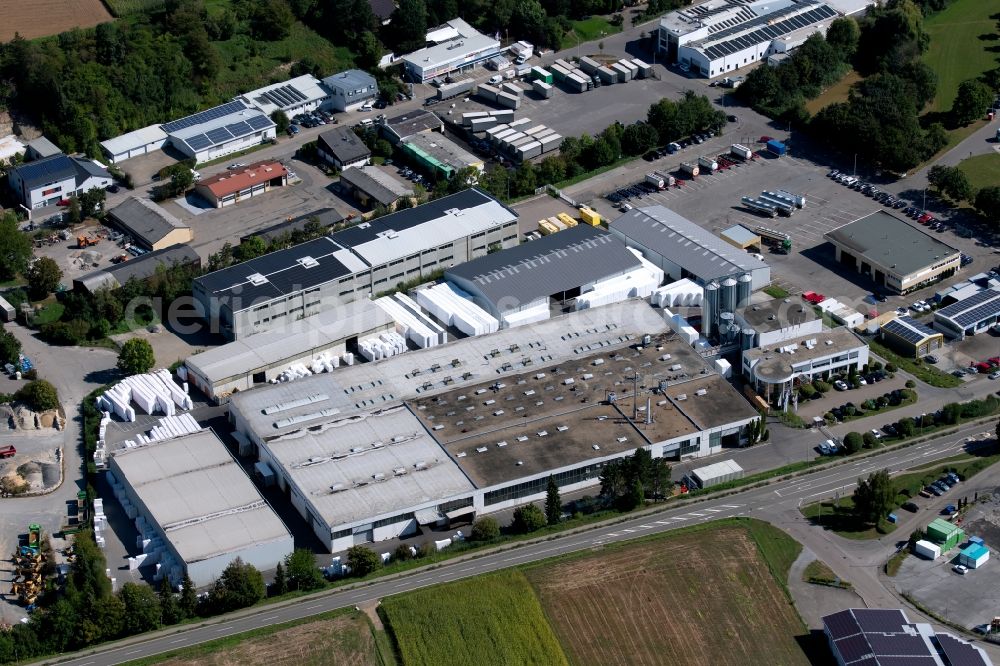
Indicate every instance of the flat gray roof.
{"type": "Point", "coordinates": [891, 243]}
{"type": "Point", "coordinates": [773, 363]}
{"type": "Point", "coordinates": [684, 243]}
{"type": "Point", "coordinates": [777, 314]}
{"type": "Point", "coordinates": [413, 122]}
{"type": "Point", "coordinates": [376, 183]}
{"type": "Point", "coordinates": [299, 339]}
{"type": "Point", "coordinates": [465, 362]}
{"type": "Point", "coordinates": [442, 149]}
{"type": "Point", "coordinates": [552, 264]}
{"type": "Point", "coordinates": [199, 496]}
{"type": "Point", "coordinates": [144, 220]}
{"type": "Point", "coordinates": [367, 465]}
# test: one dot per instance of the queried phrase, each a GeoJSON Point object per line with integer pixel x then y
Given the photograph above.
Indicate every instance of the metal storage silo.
{"type": "Point", "coordinates": [743, 289]}
{"type": "Point", "coordinates": [725, 322]}
{"type": "Point", "coordinates": [710, 309]}
{"type": "Point", "coordinates": [733, 335]}
{"type": "Point", "coordinates": [727, 295]}
{"type": "Point", "coordinates": [747, 339]}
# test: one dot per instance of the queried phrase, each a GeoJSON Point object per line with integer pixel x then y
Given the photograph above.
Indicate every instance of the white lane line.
{"type": "Point", "coordinates": [732, 506]}
{"type": "Point", "coordinates": [269, 617]}
{"type": "Point", "coordinates": [679, 518]}
{"type": "Point", "coordinates": [714, 510]}
{"type": "Point", "coordinates": [628, 531]}
{"type": "Point", "coordinates": [466, 569]}
{"type": "Point", "coordinates": [644, 527]}
{"type": "Point", "coordinates": [692, 513]}
{"type": "Point", "coordinates": [133, 652]}
{"type": "Point", "coordinates": [221, 629]}
{"type": "Point", "coordinates": [313, 606]}
{"type": "Point", "coordinates": [662, 522]}
{"type": "Point", "coordinates": [179, 640]}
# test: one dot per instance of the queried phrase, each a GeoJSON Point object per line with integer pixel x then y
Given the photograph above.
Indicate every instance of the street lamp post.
{"type": "Point", "coordinates": [855, 174]}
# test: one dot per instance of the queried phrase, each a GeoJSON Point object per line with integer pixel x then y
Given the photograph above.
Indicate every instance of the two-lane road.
{"type": "Point", "coordinates": [746, 503]}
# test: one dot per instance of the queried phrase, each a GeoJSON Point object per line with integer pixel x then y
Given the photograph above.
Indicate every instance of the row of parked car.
{"type": "Point", "coordinates": [677, 146]}
{"type": "Point", "coordinates": [942, 485]}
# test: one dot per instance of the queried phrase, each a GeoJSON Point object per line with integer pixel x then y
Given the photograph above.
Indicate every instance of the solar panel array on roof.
{"type": "Point", "coordinates": [199, 142]}
{"type": "Point", "coordinates": [908, 329]}
{"type": "Point", "coordinates": [239, 129]}
{"type": "Point", "coordinates": [282, 97]}
{"type": "Point", "coordinates": [853, 648]}
{"type": "Point", "coordinates": [258, 122]}
{"type": "Point", "coordinates": [960, 653]}
{"type": "Point", "coordinates": [973, 309]}
{"type": "Point", "coordinates": [881, 620]}
{"type": "Point", "coordinates": [765, 33]}
{"type": "Point", "coordinates": [203, 116]}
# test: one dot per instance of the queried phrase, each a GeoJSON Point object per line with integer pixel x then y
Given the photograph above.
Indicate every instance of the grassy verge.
{"type": "Point", "coordinates": [925, 373]}
{"type": "Point", "coordinates": [588, 30]}
{"type": "Point", "coordinates": [49, 313]}
{"type": "Point", "coordinates": [590, 174]}
{"type": "Point", "coordinates": [895, 562]}
{"type": "Point", "coordinates": [838, 92]}
{"type": "Point", "coordinates": [956, 51]}
{"type": "Point", "coordinates": [838, 515]}
{"type": "Point", "coordinates": [777, 548]}
{"type": "Point", "coordinates": [818, 573]}
{"type": "Point", "coordinates": [982, 170]}
{"type": "Point", "coordinates": [775, 291]}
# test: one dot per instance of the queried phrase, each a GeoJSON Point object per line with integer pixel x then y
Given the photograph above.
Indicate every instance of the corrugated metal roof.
{"type": "Point", "coordinates": [134, 139]}
{"type": "Point", "coordinates": [139, 268]}
{"type": "Point", "coordinates": [144, 220]}
{"type": "Point", "coordinates": [46, 170]}
{"type": "Point", "coordinates": [552, 264]}
{"type": "Point", "coordinates": [349, 80]}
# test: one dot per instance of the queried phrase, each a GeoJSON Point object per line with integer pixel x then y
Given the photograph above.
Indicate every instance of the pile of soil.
{"type": "Point", "coordinates": [19, 417]}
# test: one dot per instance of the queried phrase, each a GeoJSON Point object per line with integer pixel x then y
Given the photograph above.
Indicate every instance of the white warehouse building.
{"type": "Point", "coordinates": [294, 96]}
{"type": "Point", "coordinates": [453, 47]}
{"type": "Point", "coordinates": [719, 36]}
{"type": "Point", "coordinates": [198, 508]}
{"type": "Point", "coordinates": [379, 450]}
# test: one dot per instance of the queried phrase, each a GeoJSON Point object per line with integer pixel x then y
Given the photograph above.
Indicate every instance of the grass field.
{"type": "Point", "coordinates": [341, 637]}
{"type": "Point", "coordinates": [702, 596]}
{"type": "Point", "coordinates": [956, 51]}
{"type": "Point", "coordinates": [923, 371]}
{"type": "Point", "coordinates": [588, 30]}
{"type": "Point", "coordinates": [982, 170]}
{"type": "Point", "coordinates": [835, 93]}
{"type": "Point", "coordinates": [488, 619]}
{"type": "Point", "coordinates": [39, 18]}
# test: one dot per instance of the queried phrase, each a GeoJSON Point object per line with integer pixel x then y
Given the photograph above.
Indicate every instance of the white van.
{"type": "Point", "coordinates": [366, 122]}
{"type": "Point", "coordinates": [495, 79]}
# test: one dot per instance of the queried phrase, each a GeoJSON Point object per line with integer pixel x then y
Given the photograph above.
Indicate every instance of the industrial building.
{"type": "Point", "coordinates": [517, 285]}
{"type": "Point", "coordinates": [243, 364]}
{"type": "Point", "coordinates": [39, 149]}
{"type": "Point", "coordinates": [437, 154]}
{"type": "Point", "coordinates": [967, 287]}
{"type": "Point", "coordinates": [895, 255]}
{"type": "Point", "coordinates": [219, 131]}
{"type": "Point", "coordinates": [272, 290]}
{"type": "Point", "coordinates": [453, 47]}
{"type": "Point", "coordinates": [292, 97]}
{"type": "Point", "coordinates": [236, 185]}
{"type": "Point", "coordinates": [377, 450]}
{"type": "Point", "coordinates": [373, 186]}
{"type": "Point", "coordinates": [342, 148]}
{"type": "Point", "coordinates": [199, 508]}
{"type": "Point", "coordinates": [969, 316]}
{"type": "Point", "coordinates": [417, 121]}
{"type": "Point", "coordinates": [886, 637]}
{"type": "Point", "coordinates": [135, 143]}
{"type": "Point", "coordinates": [777, 320]}
{"type": "Point", "coordinates": [46, 181]}
{"type": "Point", "coordinates": [351, 89]}
{"type": "Point", "coordinates": [682, 249]}
{"type": "Point", "coordinates": [142, 267]}
{"type": "Point", "coordinates": [719, 36]}
{"type": "Point", "coordinates": [773, 372]}
{"type": "Point", "coordinates": [147, 225]}
{"type": "Point", "coordinates": [909, 337]}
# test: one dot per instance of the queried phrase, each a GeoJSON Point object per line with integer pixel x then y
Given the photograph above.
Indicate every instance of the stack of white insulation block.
{"type": "Point", "coordinates": [455, 308]}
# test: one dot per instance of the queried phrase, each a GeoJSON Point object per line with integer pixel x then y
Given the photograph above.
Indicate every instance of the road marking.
{"type": "Point", "coordinates": [692, 513]}
{"type": "Point", "coordinates": [313, 606]}
{"type": "Point", "coordinates": [714, 510]}
{"type": "Point", "coordinates": [644, 527]}
{"type": "Point", "coordinates": [269, 617]}
{"type": "Point", "coordinates": [733, 506]}
{"type": "Point", "coordinates": [662, 522]}
{"type": "Point", "coordinates": [179, 640]}
{"type": "Point", "coordinates": [133, 652]}
{"type": "Point", "coordinates": [221, 629]}
{"type": "Point", "coordinates": [628, 531]}
{"type": "Point", "coordinates": [679, 518]}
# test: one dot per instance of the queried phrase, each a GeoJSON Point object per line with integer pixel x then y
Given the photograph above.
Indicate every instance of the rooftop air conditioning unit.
{"type": "Point", "coordinates": [256, 279]}
{"type": "Point", "coordinates": [307, 262]}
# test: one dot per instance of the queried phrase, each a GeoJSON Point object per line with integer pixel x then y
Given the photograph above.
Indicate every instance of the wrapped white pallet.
{"type": "Point", "coordinates": [348, 358]}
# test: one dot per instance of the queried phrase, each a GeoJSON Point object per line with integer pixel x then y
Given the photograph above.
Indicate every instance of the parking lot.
{"type": "Point", "coordinates": [968, 600]}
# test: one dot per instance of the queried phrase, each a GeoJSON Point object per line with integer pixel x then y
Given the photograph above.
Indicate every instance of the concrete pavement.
{"type": "Point", "coordinates": [776, 502]}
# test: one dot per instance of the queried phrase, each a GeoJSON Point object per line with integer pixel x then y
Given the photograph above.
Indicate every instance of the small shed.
{"type": "Point", "coordinates": [720, 472]}
{"type": "Point", "coordinates": [974, 556]}
{"type": "Point", "coordinates": [741, 237]}
{"type": "Point", "coordinates": [946, 534]}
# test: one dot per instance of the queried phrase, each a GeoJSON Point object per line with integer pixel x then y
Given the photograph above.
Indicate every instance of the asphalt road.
{"type": "Point", "coordinates": [762, 502]}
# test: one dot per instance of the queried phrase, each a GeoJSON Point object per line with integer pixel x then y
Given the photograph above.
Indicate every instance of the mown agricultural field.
{"type": "Point", "coordinates": [492, 619]}
{"type": "Point", "coordinates": [39, 18]}
{"type": "Point", "coordinates": [343, 638]}
{"type": "Point", "coordinates": [702, 597]}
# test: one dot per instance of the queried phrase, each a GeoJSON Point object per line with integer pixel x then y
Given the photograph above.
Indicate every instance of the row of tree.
{"type": "Point", "coordinates": [954, 184]}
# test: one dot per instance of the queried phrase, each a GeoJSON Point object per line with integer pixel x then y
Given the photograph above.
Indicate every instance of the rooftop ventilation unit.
{"type": "Point", "coordinates": [256, 279]}
{"type": "Point", "coordinates": [420, 464]}
{"type": "Point", "coordinates": [502, 444]}
{"type": "Point", "coordinates": [481, 449]}
{"type": "Point", "coordinates": [307, 262]}
{"type": "Point", "coordinates": [292, 404]}
{"type": "Point", "coordinates": [399, 471]}
{"type": "Point", "coordinates": [378, 476]}
{"type": "Point", "coordinates": [682, 396]}
{"type": "Point", "coordinates": [337, 487]}
{"type": "Point", "coordinates": [701, 392]}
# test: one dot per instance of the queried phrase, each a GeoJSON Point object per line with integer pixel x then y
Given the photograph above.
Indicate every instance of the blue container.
{"type": "Point", "coordinates": [892, 518]}
{"type": "Point", "coordinates": [977, 540]}
{"type": "Point", "coordinates": [776, 147]}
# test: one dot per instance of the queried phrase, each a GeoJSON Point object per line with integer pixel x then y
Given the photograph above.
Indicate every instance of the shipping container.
{"type": "Point", "coordinates": [741, 151]}
{"type": "Point", "coordinates": [775, 147]}
{"type": "Point", "coordinates": [520, 123]}
{"type": "Point", "coordinates": [559, 73]}
{"type": "Point", "coordinates": [551, 142]}
{"type": "Point", "coordinates": [557, 223]}
{"type": "Point", "coordinates": [946, 534]}
{"type": "Point", "coordinates": [564, 64]}
{"type": "Point", "coordinates": [487, 92]}
{"type": "Point", "coordinates": [507, 100]}
{"type": "Point", "coordinates": [927, 550]}
{"type": "Point", "coordinates": [532, 131]}
{"type": "Point", "coordinates": [591, 217]}
{"type": "Point", "coordinates": [632, 69]}
{"type": "Point", "coordinates": [576, 84]}
{"type": "Point", "coordinates": [567, 220]}
{"type": "Point", "coordinates": [468, 117]}
{"type": "Point", "coordinates": [542, 89]}
{"type": "Point", "coordinates": [541, 74]}
{"type": "Point", "coordinates": [449, 90]}
{"type": "Point", "coordinates": [589, 65]}
{"type": "Point", "coordinates": [645, 70]}
{"type": "Point", "coordinates": [607, 76]}
{"type": "Point", "coordinates": [512, 89]}
{"type": "Point", "coordinates": [529, 150]}
{"type": "Point", "coordinates": [974, 555]}
{"type": "Point", "coordinates": [482, 124]}
{"type": "Point", "coordinates": [546, 227]}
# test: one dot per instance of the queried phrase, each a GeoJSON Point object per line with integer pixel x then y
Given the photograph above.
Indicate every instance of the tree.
{"type": "Point", "coordinates": [369, 51]}
{"type": "Point", "coordinates": [92, 202]}
{"type": "Point", "coordinates": [251, 248]}
{"type": "Point", "coordinates": [43, 277]}
{"type": "Point", "coordinates": [15, 247]}
{"type": "Point", "coordinates": [271, 20]}
{"type": "Point", "coordinates": [362, 561]}
{"type": "Point", "coordinates": [971, 101]}
{"type": "Point", "coordinates": [553, 504]}
{"type": "Point", "coordinates": [240, 586]}
{"type": "Point", "coordinates": [638, 138]}
{"type": "Point", "coordinates": [843, 35]}
{"type": "Point", "coordinates": [39, 395]}
{"type": "Point", "coordinates": [142, 608]}
{"type": "Point", "coordinates": [988, 204]}
{"type": "Point", "coordinates": [280, 584]}
{"type": "Point", "coordinates": [281, 121]}
{"type": "Point", "coordinates": [853, 442]}
{"type": "Point", "coordinates": [189, 597]}
{"type": "Point", "coordinates": [874, 496]}
{"type": "Point", "coordinates": [136, 357]}
{"type": "Point", "coordinates": [170, 610]}
{"type": "Point", "coordinates": [303, 573]}
{"type": "Point", "coordinates": [950, 181]}
{"type": "Point", "coordinates": [10, 347]}
{"type": "Point", "coordinates": [485, 529]}
{"type": "Point", "coordinates": [528, 518]}
{"type": "Point", "coordinates": [870, 440]}
{"type": "Point", "coordinates": [74, 212]}
{"type": "Point", "coordinates": [409, 25]}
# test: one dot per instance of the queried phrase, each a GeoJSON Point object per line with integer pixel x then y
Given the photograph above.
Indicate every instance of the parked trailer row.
{"type": "Point", "coordinates": [782, 205]}
{"type": "Point", "coordinates": [541, 74]}
{"type": "Point", "coordinates": [449, 90]}
{"type": "Point", "coordinates": [541, 88]}
{"type": "Point", "coordinates": [777, 240]}
{"type": "Point", "coordinates": [759, 207]}
{"type": "Point", "coordinates": [708, 163]}
{"type": "Point", "coordinates": [800, 200]}
{"type": "Point", "coordinates": [741, 151]}
{"type": "Point", "coordinates": [690, 169]}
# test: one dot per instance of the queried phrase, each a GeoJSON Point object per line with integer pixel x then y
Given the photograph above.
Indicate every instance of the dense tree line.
{"type": "Point", "coordinates": [628, 482]}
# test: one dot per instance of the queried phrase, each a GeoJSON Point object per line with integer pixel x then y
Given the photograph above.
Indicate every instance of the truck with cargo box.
{"type": "Point", "coordinates": [564, 64]}
{"type": "Point", "coordinates": [607, 76]}
{"type": "Point", "coordinates": [509, 101]}
{"type": "Point", "coordinates": [775, 147]}
{"type": "Point", "coordinates": [7, 312]}
{"type": "Point", "coordinates": [551, 142]}
{"type": "Point", "coordinates": [645, 70]}
{"type": "Point", "coordinates": [741, 151]}
{"type": "Point", "coordinates": [541, 88]}
{"type": "Point", "coordinates": [449, 90]}
{"type": "Point", "coordinates": [487, 92]}
{"type": "Point", "coordinates": [708, 163]}
{"type": "Point", "coordinates": [624, 73]}
{"type": "Point", "coordinates": [559, 73]}
{"type": "Point", "coordinates": [926, 549]}
{"type": "Point", "coordinates": [520, 123]}
{"type": "Point", "coordinates": [541, 74]}
{"type": "Point", "coordinates": [690, 169]}
{"type": "Point", "coordinates": [589, 65]}
{"type": "Point", "coordinates": [590, 216]}
{"type": "Point", "coordinates": [512, 89]}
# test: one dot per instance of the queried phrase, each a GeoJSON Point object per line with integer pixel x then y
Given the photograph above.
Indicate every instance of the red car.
{"type": "Point", "coordinates": [813, 297]}
{"type": "Point", "coordinates": [765, 139]}
{"type": "Point", "coordinates": [62, 202]}
{"type": "Point", "coordinates": [925, 218]}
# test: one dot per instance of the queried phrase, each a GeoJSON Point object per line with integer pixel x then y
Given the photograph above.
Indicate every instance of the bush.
{"type": "Point", "coordinates": [39, 395]}
{"type": "Point", "coordinates": [240, 586]}
{"type": "Point", "coordinates": [528, 518]}
{"type": "Point", "coordinates": [402, 553]}
{"type": "Point", "coordinates": [485, 529]}
{"type": "Point", "coordinates": [807, 391]}
{"type": "Point", "coordinates": [302, 572]}
{"type": "Point", "coordinates": [136, 357]}
{"type": "Point", "coordinates": [853, 442]}
{"type": "Point", "coordinates": [890, 367]}
{"type": "Point", "coordinates": [363, 560]}
{"type": "Point", "coordinates": [870, 440]}
{"type": "Point", "coordinates": [821, 386]}
{"type": "Point", "coordinates": [910, 384]}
